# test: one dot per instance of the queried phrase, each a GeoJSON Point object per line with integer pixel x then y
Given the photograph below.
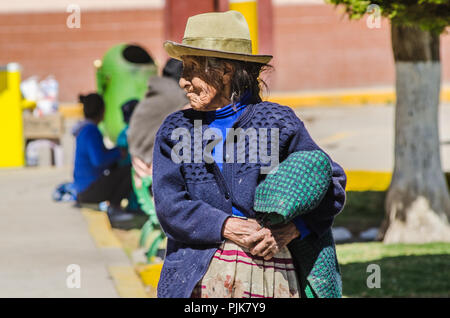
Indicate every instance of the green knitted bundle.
{"type": "Point", "coordinates": [298, 186]}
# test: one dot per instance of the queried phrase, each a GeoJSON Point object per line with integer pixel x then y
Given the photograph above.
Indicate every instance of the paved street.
{"type": "Point", "coordinates": [362, 138]}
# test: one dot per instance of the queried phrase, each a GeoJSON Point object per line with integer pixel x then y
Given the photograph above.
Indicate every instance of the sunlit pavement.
{"type": "Point", "coordinates": [40, 238]}
{"type": "Point", "coordinates": [362, 138]}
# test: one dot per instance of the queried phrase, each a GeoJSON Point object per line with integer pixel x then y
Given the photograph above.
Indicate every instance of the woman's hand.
{"type": "Point", "coordinates": [141, 170]}
{"type": "Point", "coordinates": [239, 230]}
{"type": "Point", "coordinates": [268, 241]}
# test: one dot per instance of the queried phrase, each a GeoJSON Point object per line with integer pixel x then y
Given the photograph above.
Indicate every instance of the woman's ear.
{"type": "Point", "coordinates": [228, 72]}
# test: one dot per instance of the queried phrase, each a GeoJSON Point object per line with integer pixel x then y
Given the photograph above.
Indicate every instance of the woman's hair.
{"type": "Point", "coordinates": [246, 77]}
{"type": "Point", "coordinates": [173, 69]}
{"type": "Point", "coordinates": [93, 105]}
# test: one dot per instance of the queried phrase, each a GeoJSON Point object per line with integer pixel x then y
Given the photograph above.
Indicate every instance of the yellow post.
{"type": "Point", "coordinates": [12, 144]}
{"type": "Point", "coordinates": [249, 8]}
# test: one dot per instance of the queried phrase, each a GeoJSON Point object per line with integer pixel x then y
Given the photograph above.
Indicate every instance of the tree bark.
{"type": "Point", "coordinates": [418, 201]}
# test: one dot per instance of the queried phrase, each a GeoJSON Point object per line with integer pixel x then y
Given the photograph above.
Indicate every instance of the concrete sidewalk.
{"type": "Point", "coordinates": [40, 238]}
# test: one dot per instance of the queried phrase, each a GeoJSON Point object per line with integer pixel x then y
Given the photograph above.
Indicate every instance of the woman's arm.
{"type": "Point", "coordinates": [234, 229]}
{"type": "Point", "coordinates": [240, 230]}
{"type": "Point", "coordinates": [268, 241]}
{"type": "Point", "coordinates": [182, 218]}
{"type": "Point", "coordinates": [141, 170]}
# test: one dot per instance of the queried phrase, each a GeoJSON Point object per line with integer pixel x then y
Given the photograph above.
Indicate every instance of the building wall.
{"type": "Point", "coordinates": [315, 46]}
{"type": "Point", "coordinates": [318, 47]}
{"type": "Point", "coordinates": [43, 45]}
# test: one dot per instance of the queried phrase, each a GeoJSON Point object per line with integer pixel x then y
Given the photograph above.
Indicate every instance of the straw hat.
{"type": "Point", "coordinates": [216, 34]}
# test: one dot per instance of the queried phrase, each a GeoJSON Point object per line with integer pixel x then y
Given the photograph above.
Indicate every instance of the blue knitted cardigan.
{"type": "Point", "coordinates": [193, 199]}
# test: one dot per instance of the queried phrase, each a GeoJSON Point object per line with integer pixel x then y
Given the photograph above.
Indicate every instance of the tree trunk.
{"type": "Point", "coordinates": [418, 201]}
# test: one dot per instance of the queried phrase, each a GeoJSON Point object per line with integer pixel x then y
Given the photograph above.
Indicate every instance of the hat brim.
{"type": "Point", "coordinates": [177, 50]}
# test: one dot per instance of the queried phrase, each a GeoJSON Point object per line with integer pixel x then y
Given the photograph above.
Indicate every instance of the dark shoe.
{"type": "Point", "coordinates": [118, 215]}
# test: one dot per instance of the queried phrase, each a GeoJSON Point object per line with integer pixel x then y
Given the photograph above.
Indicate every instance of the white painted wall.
{"type": "Point", "coordinates": [16, 6]}
{"type": "Point", "coordinates": [296, 2]}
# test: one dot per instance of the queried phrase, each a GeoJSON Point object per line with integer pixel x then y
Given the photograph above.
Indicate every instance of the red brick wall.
{"type": "Point", "coordinates": [177, 13]}
{"type": "Point", "coordinates": [43, 44]}
{"type": "Point", "coordinates": [315, 47]}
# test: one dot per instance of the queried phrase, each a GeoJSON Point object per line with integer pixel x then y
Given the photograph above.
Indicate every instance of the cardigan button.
{"type": "Point", "coordinates": [227, 196]}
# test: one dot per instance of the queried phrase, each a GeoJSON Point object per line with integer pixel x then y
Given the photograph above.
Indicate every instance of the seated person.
{"type": "Point", "coordinates": [97, 177]}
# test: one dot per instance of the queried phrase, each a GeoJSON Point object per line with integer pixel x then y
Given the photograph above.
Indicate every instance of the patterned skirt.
{"type": "Point", "coordinates": [235, 273]}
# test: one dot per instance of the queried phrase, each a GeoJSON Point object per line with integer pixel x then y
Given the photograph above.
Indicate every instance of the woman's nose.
{"type": "Point", "coordinates": [183, 82]}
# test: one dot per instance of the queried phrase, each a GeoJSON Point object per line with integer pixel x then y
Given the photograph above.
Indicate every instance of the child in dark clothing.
{"type": "Point", "coordinates": [97, 176]}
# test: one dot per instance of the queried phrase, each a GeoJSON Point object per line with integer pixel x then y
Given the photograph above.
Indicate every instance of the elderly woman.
{"type": "Point", "coordinates": [208, 162]}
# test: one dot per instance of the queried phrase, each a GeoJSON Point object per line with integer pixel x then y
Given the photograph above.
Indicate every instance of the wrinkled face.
{"type": "Point", "coordinates": [206, 88]}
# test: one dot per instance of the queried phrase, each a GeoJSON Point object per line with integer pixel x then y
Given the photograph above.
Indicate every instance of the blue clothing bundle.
{"type": "Point", "coordinates": [193, 199]}
{"type": "Point", "coordinates": [91, 155]}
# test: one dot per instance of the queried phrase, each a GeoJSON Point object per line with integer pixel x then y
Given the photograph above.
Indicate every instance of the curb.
{"type": "Point", "coordinates": [344, 97]}
{"type": "Point", "coordinates": [365, 180]}
{"type": "Point", "coordinates": [127, 282]}
{"type": "Point", "coordinates": [149, 274]}
{"type": "Point", "coordinates": [100, 229]}
{"type": "Point", "coordinates": [71, 110]}
{"type": "Point", "coordinates": [336, 99]}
